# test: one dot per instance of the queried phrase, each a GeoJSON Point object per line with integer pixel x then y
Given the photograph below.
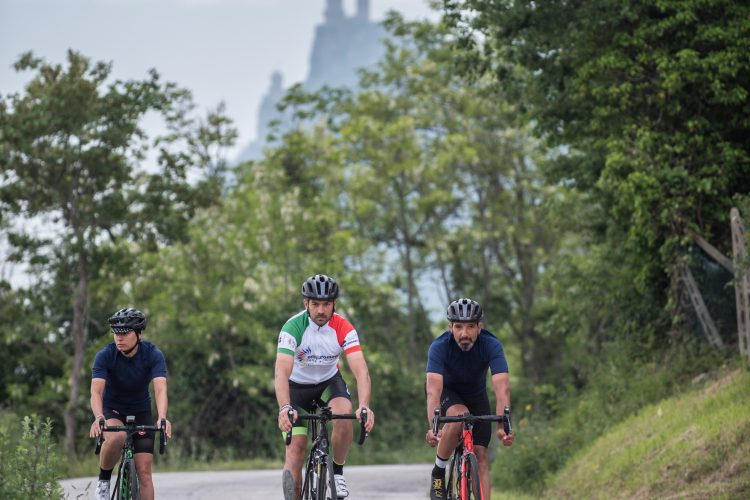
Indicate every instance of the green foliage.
{"type": "Point", "coordinates": [30, 463]}
{"type": "Point", "coordinates": [630, 378]}
{"type": "Point", "coordinates": [696, 444]}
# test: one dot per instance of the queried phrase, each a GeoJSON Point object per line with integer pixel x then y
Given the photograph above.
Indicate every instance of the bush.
{"type": "Point", "coordinates": [31, 466]}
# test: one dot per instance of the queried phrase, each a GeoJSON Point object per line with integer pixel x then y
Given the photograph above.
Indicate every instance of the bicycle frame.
{"type": "Point", "coordinates": [126, 456]}
{"type": "Point", "coordinates": [464, 453]}
{"type": "Point", "coordinates": [319, 460]}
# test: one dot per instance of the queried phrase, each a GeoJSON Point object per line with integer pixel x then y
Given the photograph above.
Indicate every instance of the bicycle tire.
{"type": "Point", "coordinates": [307, 485]}
{"type": "Point", "coordinates": [331, 478]}
{"type": "Point", "coordinates": [453, 483]}
{"type": "Point", "coordinates": [323, 473]}
{"type": "Point", "coordinates": [475, 485]}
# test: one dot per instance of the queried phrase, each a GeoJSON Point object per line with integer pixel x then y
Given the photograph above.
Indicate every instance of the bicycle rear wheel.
{"type": "Point", "coordinates": [472, 471]}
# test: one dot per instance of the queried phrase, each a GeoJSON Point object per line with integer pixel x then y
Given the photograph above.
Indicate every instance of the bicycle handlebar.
{"type": "Point", "coordinates": [131, 428]}
{"type": "Point", "coordinates": [467, 417]}
{"type": "Point", "coordinates": [325, 416]}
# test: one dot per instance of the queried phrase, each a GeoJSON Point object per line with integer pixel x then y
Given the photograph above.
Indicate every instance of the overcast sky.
{"type": "Point", "coordinates": [222, 50]}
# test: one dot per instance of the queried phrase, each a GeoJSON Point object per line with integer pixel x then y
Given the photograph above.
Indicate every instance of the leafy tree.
{"type": "Point", "coordinates": [70, 148]}
{"type": "Point", "coordinates": [650, 99]}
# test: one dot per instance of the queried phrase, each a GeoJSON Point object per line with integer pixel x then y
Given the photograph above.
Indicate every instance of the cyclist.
{"type": "Point", "coordinates": [120, 378]}
{"type": "Point", "coordinates": [307, 373]}
{"type": "Point", "coordinates": [457, 364]}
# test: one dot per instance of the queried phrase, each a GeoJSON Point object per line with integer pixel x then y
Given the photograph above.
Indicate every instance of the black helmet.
{"type": "Point", "coordinates": [320, 287]}
{"type": "Point", "coordinates": [128, 319]}
{"type": "Point", "coordinates": [465, 311]}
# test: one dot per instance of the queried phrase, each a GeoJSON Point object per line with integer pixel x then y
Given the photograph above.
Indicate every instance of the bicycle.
{"type": "Point", "coordinates": [319, 478]}
{"type": "Point", "coordinates": [463, 471]}
{"type": "Point", "coordinates": [126, 486]}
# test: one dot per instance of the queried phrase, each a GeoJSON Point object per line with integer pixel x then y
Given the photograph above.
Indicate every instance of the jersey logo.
{"type": "Point", "coordinates": [302, 355]}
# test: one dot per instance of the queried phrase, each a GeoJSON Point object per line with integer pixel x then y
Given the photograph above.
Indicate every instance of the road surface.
{"type": "Point", "coordinates": [386, 482]}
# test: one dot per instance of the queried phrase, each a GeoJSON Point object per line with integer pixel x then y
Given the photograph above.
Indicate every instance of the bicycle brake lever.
{"type": "Point", "coordinates": [290, 415]}
{"type": "Point", "coordinates": [435, 418]}
{"type": "Point", "coordinates": [100, 439]}
{"type": "Point", "coordinates": [163, 436]}
{"type": "Point", "coordinates": [507, 427]}
{"type": "Point", "coordinates": [363, 434]}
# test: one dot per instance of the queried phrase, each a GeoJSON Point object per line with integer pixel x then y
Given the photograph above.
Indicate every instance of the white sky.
{"type": "Point", "coordinates": [222, 50]}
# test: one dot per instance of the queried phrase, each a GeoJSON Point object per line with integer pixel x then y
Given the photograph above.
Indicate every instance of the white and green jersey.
{"type": "Point", "coordinates": [316, 349]}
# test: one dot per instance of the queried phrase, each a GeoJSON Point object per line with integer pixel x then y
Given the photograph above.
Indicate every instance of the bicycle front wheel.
{"type": "Point", "coordinates": [127, 482]}
{"type": "Point", "coordinates": [453, 482]}
{"type": "Point", "coordinates": [325, 479]}
{"type": "Point", "coordinates": [472, 478]}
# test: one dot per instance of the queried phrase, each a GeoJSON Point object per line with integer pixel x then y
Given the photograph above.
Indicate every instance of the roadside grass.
{"type": "Point", "coordinates": [696, 445]}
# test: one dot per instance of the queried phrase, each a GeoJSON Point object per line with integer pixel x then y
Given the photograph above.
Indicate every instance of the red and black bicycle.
{"type": "Point", "coordinates": [463, 471]}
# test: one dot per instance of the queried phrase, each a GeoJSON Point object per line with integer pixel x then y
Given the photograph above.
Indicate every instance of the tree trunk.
{"type": "Point", "coordinates": [80, 320]}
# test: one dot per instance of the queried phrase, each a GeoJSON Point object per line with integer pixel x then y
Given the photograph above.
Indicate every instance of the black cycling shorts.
{"type": "Point", "coordinates": [477, 405]}
{"type": "Point", "coordinates": [306, 397]}
{"type": "Point", "coordinates": [143, 442]}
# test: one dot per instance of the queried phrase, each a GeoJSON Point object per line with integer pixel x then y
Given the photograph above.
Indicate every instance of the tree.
{"type": "Point", "coordinates": [650, 100]}
{"type": "Point", "coordinates": [70, 148]}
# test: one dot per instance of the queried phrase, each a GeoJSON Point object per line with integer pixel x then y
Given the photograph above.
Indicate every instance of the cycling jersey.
{"type": "Point", "coordinates": [127, 379]}
{"type": "Point", "coordinates": [316, 349]}
{"type": "Point", "coordinates": [465, 372]}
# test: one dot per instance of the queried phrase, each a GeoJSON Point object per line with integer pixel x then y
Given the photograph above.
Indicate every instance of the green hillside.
{"type": "Point", "coordinates": [693, 446]}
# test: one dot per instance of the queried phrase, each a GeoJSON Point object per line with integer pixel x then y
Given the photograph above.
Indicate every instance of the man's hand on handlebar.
{"type": "Point", "coordinates": [370, 417]}
{"type": "Point", "coordinates": [96, 428]}
{"type": "Point", "coordinates": [167, 427]}
{"type": "Point", "coordinates": [284, 424]}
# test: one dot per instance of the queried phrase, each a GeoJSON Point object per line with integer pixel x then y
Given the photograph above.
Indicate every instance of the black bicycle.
{"type": "Point", "coordinates": [126, 486]}
{"type": "Point", "coordinates": [319, 478]}
{"type": "Point", "coordinates": [463, 471]}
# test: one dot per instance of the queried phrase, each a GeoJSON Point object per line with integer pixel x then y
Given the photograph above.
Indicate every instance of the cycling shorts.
{"type": "Point", "coordinates": [477, 405]}
{"type": "Point", "coordinates": [143, 442]}
{"type": "Point", "coordinates": [305, 398]}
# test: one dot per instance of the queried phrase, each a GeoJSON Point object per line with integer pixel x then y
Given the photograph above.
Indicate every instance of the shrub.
{"type": "Point", "coordinates": [31, 466]}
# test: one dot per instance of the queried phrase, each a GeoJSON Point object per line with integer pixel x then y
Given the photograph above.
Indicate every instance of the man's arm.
{"type": "Point", "coordinates": [282, 372]}
{"type": "Point", "coordinates": [162, 402]}
{"type": "Point", "coordinates": [434, 390]}
{"type": "Point", "coordinates": [97, 404]}
{"type": "Point", "coordinates": [501, 386]}
{"type": "Point", "coordinates": [434, 386]}
{"type": "Point", "coordinates": [358, 365]}
{"type": "Point", "coordinates": [160, 394]}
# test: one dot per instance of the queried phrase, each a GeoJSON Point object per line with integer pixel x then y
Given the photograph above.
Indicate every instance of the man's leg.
{"type": "Point", "coordinates": [343, 433]}
{"type": "Point", "coordinates": [143, 462]}
{"type": "Point", "coordinates": [484, 469]}
{"type": "Point", "coordinates": [294, 456]}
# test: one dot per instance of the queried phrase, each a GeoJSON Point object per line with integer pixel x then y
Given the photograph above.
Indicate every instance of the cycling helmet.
{"type": "Point", "coordinates": [128, 319]}
{"type": "Point", "coordinates": [465, 311]}
{"type": "Point", "coordinates": [320, 287]}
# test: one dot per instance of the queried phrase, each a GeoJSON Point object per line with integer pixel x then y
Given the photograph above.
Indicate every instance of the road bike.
{"type": "Point", "coordinates": [463, 481]}
{"type": "Point", "coordinates": [126, 486]}
{"type": "Point", "coordinates": [319, 483]}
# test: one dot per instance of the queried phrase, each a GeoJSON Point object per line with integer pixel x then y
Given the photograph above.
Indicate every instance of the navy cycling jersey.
{"type": "Point", "coordinates": [465, 372]}
{"type": "Point", "coordinates": [127, 379]}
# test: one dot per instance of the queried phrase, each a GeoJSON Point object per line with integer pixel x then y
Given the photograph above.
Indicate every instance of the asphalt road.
{"type": "Point", "coordinates": [386, 482]}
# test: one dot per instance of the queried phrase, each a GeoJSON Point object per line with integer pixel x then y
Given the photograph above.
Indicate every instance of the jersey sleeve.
{"type": "Point", "coordinates": [290, 335]}
{"type": "Point", "coordinates": [435, 359]}
{"type": "Point", "coordinates": [99, 370]}
{"type": "Point", "coordinates": [346, 335]}
{"type": "Point", "coordinates": [158, 364]}
{"type": "Point", "coordinates": [498, 363]}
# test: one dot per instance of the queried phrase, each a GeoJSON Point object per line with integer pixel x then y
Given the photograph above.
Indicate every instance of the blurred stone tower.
{"type": "Point", "coordinates": [342, 45]}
